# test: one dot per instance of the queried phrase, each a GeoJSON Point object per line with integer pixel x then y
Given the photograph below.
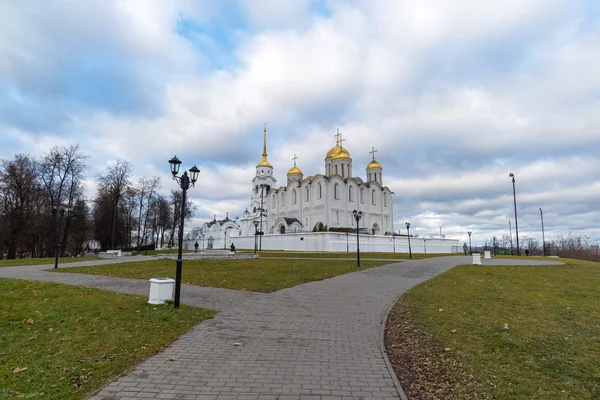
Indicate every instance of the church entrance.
{"type": "Point", "coordinates": [211, 241]}
{"type": "Point", "coordinates": [376, 230]}
{"type": "Point", "coordinates": [282, 229]}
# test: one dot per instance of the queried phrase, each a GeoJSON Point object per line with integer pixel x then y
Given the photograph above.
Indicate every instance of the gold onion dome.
{"type": "Point", "coordinates": [294, 169]}
{"type": "Point", "coordinates": [373, 164]}
{"type": "Point", "coordinates": [342, 153]}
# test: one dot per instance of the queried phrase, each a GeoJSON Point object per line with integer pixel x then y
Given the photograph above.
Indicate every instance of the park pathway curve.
{"type": "Point", "coordinates": [321, 340]}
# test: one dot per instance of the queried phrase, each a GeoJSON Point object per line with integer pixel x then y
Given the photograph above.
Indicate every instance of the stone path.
{"type": "Point", "coordinates": [321, 340]}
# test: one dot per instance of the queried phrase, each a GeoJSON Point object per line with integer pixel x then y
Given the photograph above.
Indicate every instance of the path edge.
{"type": "Point", "coordinates": [390, 368]}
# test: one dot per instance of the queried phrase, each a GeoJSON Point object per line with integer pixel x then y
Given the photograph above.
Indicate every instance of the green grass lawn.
{"type": "Point", "coordinates": [64, 342]}
{"type": "Point", "coordinates": [40, 261]}
{"type": "Point", "coordinates": [519, 332]}
{"type": "Point", "coordinates": [259, 275]}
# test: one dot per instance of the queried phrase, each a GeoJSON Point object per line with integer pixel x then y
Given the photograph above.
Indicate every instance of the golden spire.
{"type": "Point", "coordinates": [264, 162]}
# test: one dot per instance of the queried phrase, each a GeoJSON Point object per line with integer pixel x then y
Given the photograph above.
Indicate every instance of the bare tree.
{"type": "Point", "coordinates": [146, 192]}
{"type": "Point", "coordinates": [114, 182]}
{"type": "Point", "coordinates": [19, 189]}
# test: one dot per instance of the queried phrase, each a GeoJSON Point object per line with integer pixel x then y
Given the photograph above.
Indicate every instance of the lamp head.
{"type": "Point", "coordinates": [194, 171]}
{"type": "Point", "coordinates": [511, 175]}
{"type": "Point", "coordinates": [469, 233]}
{"type": "Point", "coordinates": [256, 224]}
{"type": "Point", "coordinates": [407, 225]}
{"type": "Point", "coordinates": [355, 213]}
{"type": "Point", "coordinates": [175, 163]}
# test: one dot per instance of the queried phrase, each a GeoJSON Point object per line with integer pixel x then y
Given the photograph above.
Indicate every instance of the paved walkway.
{"type": "Point", "coordinates": [321, 340]}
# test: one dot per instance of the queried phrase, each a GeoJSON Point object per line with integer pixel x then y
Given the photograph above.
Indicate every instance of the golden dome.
{"type": "Point", "coordinates": [334, 150]}
{"type": "Point", "coordinates": [342, 153]}
{"type": "Point", "coordinates": [264, 163]}
{"type": "Point", "coordinates": [295, 170]}
{"type": "Point", "coordinates": [373, 164]}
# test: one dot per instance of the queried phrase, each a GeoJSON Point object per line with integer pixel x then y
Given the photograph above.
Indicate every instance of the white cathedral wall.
{"type": "Point", "coordinates": [340, 242]}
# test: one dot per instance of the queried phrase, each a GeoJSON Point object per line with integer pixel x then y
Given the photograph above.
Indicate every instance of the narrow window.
{"type": "Point", "coordinates": [343, 171]}
{"type": "Point", "coordinates": [319, 191]}
{"type": "Point", "coordinates": [373, 197]}
{"type": "Point", "coordinates": [294, 197]}
{"type": "Point", "coordinates": [307, 193]}
{"type": "Point", "coordinates": [350, 193]}
{"type": "Point", "coordinates": [335, 191]}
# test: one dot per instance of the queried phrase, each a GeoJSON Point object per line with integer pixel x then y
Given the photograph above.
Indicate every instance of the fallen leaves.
{"type": "Point", "coordinates": [19, 369]}
{"type": "Point", "coordinates": [237, 344]}
{"type": "Point", "coordinates": [30, 322]}
{"type": "Point", "coordinates": [506, 325]}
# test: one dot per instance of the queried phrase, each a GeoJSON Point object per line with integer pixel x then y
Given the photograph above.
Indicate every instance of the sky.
{"type": "Point", "coordinates": [453, 95]}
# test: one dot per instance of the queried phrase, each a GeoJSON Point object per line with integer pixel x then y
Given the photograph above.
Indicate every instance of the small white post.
{"type": "Point", "coordinates": [161, 290]}
{"type": "Point", "coordinates": [486, 254]}
{"type": "Point", "coordinates": [476, 259]}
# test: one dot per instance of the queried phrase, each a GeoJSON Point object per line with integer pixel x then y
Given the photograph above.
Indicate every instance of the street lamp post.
{"type": "Point", "coordinates": [408, 233]}
{"type": "Point", "coordinates": [543, 235]}
{"type": "Point", "coordinates": [347, 245]}
{"type": "Point", "coordinates": [510, 233]}
{"type": "Point", "coordinates": [470, 248]}
{"type": "Point", "coordinates": [357, 216]}
{"type": "Point", "coordinates": [62, 210]}
{"type": "Point", "coordinates": [511, 175]}
{"type": "Point", "coordinates": [185, 182]}
{"type": "Point", "coordinates": [262, 187]}
{"type": "Point", "coordinates": [255, 234]}
{"type": "Point", "coordinates": [394, 241]}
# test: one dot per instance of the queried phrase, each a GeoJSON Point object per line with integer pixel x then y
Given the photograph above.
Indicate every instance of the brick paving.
{"type": "Point", "coordinates": [321, 340]}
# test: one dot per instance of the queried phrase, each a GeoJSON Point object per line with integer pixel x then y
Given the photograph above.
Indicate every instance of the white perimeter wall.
{"type": "Point", "coordinates": [339, 242]}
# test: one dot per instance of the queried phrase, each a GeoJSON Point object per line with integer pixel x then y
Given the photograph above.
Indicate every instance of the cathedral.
{"type": "Point", "coordinates": [321, 201]}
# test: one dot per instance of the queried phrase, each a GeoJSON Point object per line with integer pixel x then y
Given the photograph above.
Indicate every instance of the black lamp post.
{"type": "Point", "coordinates": [347, 244]}
{"type": "Point", "coordinates": [511, 175]}
{"type": "Point", "coordinates": [394, 241]}
{"type": "Point", "coordinates": [357, 216]}
{"type": "Point", "coordinates": [408, 233]}
{"type": "Point", "coordinates": [510, 232]}
{"type": "Point", "coordinates": [262, 187]}
{"type": "Point", "coordinates": [62, 210]}
{"type": "Point", "coordinates": [255, 233]}
{"type": "Point", "coordinates": [185, 182]}
{"type": "Point", "coordinates": [470, 248]}
{"type": "Point", "coordinates": [543, 236]}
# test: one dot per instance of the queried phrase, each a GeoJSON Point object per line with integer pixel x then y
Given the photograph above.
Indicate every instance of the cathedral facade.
{"type": "Point", "coordinates": [321, 201]}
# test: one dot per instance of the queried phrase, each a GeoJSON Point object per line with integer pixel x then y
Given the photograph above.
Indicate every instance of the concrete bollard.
{"type": "Point", "coordinates": [486, 254]}
{"type": "Point", "coordinates": [476, 259]}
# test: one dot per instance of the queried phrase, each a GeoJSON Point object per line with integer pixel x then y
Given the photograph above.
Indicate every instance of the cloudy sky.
{"type": "Point", "coordinates": [453, 94]}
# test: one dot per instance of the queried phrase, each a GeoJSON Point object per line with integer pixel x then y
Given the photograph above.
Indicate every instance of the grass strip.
{"type": "Point", "coordinates": [17, 262]}
{"type": "Point", "coordinates": [514, 332]}
{"type": "Point", "coordinates": [258, 275]}
{"type": "Point", "coordinates": [65, 342]}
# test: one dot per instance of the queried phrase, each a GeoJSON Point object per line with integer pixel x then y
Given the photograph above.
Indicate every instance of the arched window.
{"type": "Point", "coordinates": [343, 170]}
{"type": "Point", "coordinates": [336, 191]}
{"type": "Point", "coordinates": [256, 189]}
{"type": "Point", "coordinates": [282, 197]}
{"type": "Point", "coordinates": [307, 194]}
{"type": "Point", "coordinates": [294, 196]}
{"type": "Point", "coordinates": [385, 200]}
{"type": "Point", "coordinates": [350, 193]}
{"type": "Point", "coordinates": [336, 169]}
{"type": "Point", "coordinates": [369, 177]}
{"type": "Point", "coordinates": [319, 194]}
{"type": "Point", "coordinates": [373, 198]}
{"type": "Point", "coordinates": [362, 196]}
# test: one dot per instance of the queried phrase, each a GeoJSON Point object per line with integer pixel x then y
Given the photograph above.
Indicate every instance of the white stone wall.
{"type": "Point", "coordinates": [340, 242]}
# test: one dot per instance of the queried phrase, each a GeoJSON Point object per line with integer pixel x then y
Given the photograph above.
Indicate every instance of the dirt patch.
{"type": "Point", "coordinates": [426, 369]}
